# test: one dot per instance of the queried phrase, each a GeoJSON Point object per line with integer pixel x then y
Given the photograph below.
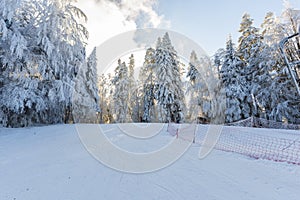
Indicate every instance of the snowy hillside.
{"type": "Point", "coordinates": [51, 163]}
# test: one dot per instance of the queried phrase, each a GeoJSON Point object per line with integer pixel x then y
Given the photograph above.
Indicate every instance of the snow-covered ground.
{"type": "Point", "coordinates": [50, 163]}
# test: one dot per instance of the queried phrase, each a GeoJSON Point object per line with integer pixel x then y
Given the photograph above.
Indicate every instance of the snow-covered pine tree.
{"type": "Point", "coordinates": [272, 31]}
{"type": "Point", "coordinates": [280, 91]}
{"type": "Point", "coordinates": [206, 103]}
{"type": "Point", "coordinates": [109, 97]}
{"type": "Point", "coordinates": [85, 98]}
{"type": "Point", "coordinates": [92, 80]}
{"type": "Point", "coordinates": [277, 95]}
{"type": "Point", "coordinates": [193, 89]}
{"type": "Point", "coordinates": [81, 101]}
{"type": "Point", "coordinates": [104, 98]}
{"type": "Point", "coordinates": [290, 22]}
{"type": "Point", "coordinates": [22, 101]}
{"type": "Point", "coordinates": [249, 50]}
{"type": "Point", "coordinates": [121, 93]}
{"type": "Point", "coordinates": [134, 104]}
{"type": "Point", "coordinates": [270, 62]}
{"type": "Point", "coordinates": [11, 48]}
{"type": "Point", "coordinates": [218, 60]}
{"type": "Point", "coordinates": [41, 75]}
{"type": "Point", "coordinates": [290, 19]}
{"type": "Point", "coordinates": [105, 89]}
{"type": "Point", "coordinates": [230, 78]}
{"type": "Point", "coordinates": [169, 93]}
{"type": "Point", "coordinates": [147, 80]}
{"type": "Point", "coordinates": [61, 39]}
{"type": "Point", "coordinates": [284, 102]}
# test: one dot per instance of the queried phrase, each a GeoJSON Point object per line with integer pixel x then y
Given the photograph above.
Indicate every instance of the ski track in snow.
{"type": "Point", "coordinates": [51, 163]}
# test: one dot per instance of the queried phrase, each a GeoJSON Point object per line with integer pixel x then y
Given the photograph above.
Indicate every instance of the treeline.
{"type": "Point", "coordinates": [157, 95]}
{"type": "Point", "coordinates": [46, 77]}
{"type": "Point", "coordinates": [254, 75]}
{"type": "Point", "coordinates": [250, 79]}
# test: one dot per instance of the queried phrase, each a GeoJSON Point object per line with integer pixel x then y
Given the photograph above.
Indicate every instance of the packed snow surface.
{"type": "Point", "coordinates": [51, 163]}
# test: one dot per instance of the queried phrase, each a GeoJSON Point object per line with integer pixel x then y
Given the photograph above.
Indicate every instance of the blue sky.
{"type": "Point", "coordinates": [210, 22]}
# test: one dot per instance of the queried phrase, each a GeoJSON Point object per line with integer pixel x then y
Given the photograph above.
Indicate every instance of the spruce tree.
{"type": "Point", "coordinates": [147, 79]}
{"type": "Point", "coordinates": [249, 50]}
{"type": "Point", "coordinates": [231, 80]}
{"type": "Point", "coordinates": [169, 93]}
{"type": "Point", "coordinates": [40, 57]}
{"type": "Point", "coordinates": [121, 93]}
{"type": "Point", "coordinates": [92, 80]}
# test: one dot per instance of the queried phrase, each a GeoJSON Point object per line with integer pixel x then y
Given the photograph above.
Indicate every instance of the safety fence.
{"type": "Point", "coordinates": [271, 144]}
{"type": "Point", "coordinates": [264, 123]}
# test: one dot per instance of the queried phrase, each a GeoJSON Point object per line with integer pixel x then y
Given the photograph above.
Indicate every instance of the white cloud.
{"type": "Point", "coordinates": [107, 18]}
{"type": "Point", "coordinates": [104, 21]}
{"type": "Point", "coordinates": [143, 13]}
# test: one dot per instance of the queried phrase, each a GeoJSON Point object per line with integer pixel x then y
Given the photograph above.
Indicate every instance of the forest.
{"type": "Point", "coordinates": [47, 78]}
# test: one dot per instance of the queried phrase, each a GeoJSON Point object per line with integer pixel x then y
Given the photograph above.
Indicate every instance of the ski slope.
{"type": "Point", "coordinates": [51, 163]}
